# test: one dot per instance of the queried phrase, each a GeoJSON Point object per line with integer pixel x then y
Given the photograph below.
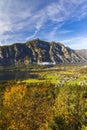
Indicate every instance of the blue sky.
{"type": "Point", "coordinates": [51, 20]}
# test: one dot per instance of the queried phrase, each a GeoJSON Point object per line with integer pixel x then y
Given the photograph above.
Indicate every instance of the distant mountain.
{"type": "Point", "coordinates": [82, 53]}
{"type": "Point", "coordinates": [38, 52]}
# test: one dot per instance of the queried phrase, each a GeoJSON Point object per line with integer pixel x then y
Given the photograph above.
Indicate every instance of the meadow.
{"type": "Point", "coordinates": [44, 98]}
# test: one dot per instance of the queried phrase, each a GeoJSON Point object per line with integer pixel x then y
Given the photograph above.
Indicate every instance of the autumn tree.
{"type": "Point", "coordinates": [26, 108]}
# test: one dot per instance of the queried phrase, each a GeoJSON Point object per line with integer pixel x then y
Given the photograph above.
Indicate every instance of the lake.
{"type": "Point", "coordinates": [16, 75]}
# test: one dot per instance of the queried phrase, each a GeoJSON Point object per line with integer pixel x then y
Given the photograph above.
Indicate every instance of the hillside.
{"type": "Point", "coordinates": [82, 52]}
{"type": "Point", "coordinates": [38, 52]}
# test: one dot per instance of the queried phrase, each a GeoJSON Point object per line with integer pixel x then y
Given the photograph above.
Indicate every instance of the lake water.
{"type": "Point", "coordinates": [16, 75]}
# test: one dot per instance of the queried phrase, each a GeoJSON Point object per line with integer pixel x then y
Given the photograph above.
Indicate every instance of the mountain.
{"type": "Point", "coordinates": [38, 52]}
{"type": "Point", "coordinates": [82, 52]}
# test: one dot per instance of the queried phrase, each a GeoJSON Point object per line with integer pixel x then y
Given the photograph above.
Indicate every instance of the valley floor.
{"type": "Point", "coordinates": [48, 98]}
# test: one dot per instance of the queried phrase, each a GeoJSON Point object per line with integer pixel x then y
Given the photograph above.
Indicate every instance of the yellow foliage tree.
{"type": "Point", "coordinates": [26, 109]}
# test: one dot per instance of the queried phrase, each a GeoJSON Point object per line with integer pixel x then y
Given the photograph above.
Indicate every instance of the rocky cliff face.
{"type": "Point", "coordinates": [38, 52]}
{"type": "Point", "coordinates": [82, 52]}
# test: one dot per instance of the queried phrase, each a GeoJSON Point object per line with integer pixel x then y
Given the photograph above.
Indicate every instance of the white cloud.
{"type": "Point", "coordinates": [65, 31]}
{"type": "Point", "coordinates": [76, 42]}
{"type": "Point", "coordinates": [19, 16]}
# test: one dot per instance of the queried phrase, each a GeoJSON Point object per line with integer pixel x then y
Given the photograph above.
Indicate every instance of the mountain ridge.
{"type": "Point", "coordinates": [82, 52]}
{"type": "Point", "coordinates": [38, 52]}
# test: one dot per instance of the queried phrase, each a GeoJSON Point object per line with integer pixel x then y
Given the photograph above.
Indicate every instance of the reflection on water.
{"type": "Point", "coordinates": [16, 75]}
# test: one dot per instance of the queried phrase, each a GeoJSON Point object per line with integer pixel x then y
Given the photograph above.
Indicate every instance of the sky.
{"type": "Point", "coordinates": [62, 21]}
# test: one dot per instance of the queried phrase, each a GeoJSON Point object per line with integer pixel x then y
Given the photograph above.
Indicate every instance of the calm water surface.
{"type": "Point", "coordinates": [16, 75]}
